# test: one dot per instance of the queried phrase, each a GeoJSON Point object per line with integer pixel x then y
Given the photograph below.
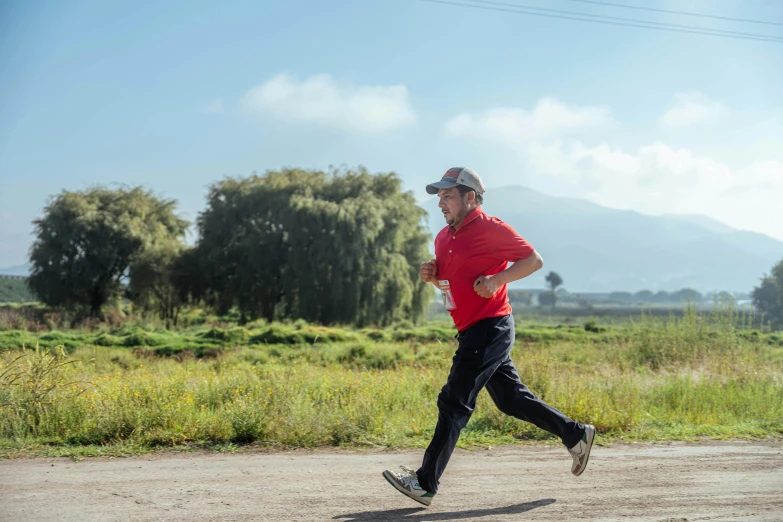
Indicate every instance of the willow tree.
{"type": "Point", "coordinates": [337, 247]}
{"type": "Point", "coordinates": [243, 247]}
{"type": "Point", "coordinates": [86, 241]}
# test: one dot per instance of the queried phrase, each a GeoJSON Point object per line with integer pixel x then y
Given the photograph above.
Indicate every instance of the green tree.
{"type": "Point", "coordinates": [621, 297]}
{"type": "Point", "coordinates": [768, 296]}
{"type": "Point", "coordinates": [337, 247]}
{"type": "Point", "coordinates": [546, 299]}
{"type": "Point", "coordinates": [156, 279]}
{"type": "Point", "coordinates": [554, 280]}
{"type": "Point", "coordinates": [661, 296]}
{"type": "Point", "coordinates": [86, 241]}
{"type": "Point", "coordinates": [644, 296]}
{"type": "Point", "coordinates": [520, 297]}
{"type": "Point", "coordinates": [686, 294]}
{"type": "Point", "coordinates": [724, 298]}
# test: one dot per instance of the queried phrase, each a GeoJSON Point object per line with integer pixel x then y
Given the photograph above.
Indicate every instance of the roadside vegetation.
{"type": "Point", "coordinates": [130, 387]}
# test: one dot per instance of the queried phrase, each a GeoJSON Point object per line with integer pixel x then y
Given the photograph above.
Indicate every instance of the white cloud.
{"type": "Point", "coordinates": [213, 107]}
{"type": "Point", "coordinates": [693, 108]}
{"type": "Point", "coordinates": [515, 126]}
{"type": "Point", "coordinates": [321, 100]}
{"type": "Point", "coordinates": [655, 179]}
{"type": "Point", "coordinates": [659, 179]}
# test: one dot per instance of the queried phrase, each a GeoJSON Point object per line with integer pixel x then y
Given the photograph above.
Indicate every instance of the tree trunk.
{"type": "Point", "coordinates": [96, 302]}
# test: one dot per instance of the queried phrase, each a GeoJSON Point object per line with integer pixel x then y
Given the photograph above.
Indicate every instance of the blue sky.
{"type": "Point", "coordinates": [177, 95]}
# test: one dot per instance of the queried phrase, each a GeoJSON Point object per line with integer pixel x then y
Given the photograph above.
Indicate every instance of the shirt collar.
{"type": "Point", "coordinates": [475, 213]}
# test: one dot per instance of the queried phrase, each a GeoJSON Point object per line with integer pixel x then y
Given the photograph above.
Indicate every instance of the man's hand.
{"type": "Point", "coordinates": [486, 286]}
{"type": "Point", "coordinates": [428, 271]}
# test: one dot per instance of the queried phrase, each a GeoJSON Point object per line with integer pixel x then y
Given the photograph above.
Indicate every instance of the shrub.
{"type": "Point", "coordinates": [237, 335]}
{"type": "Point", "coordinates": [16, 339]}
{"type": "Point", "coordinates": [182, 351]}
{"type": "Point", "coordinates": [67, 341]}
{"type": "Point", "coordinates": [423, 334]}
{"type": "Point", "coordinates": [592, 326]}
{"type": "Point", "coordinates": [105, 339]}
{"type": "Point", "coordinates": [278, 333]}
{"type": "Point", "coordinates": [144, 339]}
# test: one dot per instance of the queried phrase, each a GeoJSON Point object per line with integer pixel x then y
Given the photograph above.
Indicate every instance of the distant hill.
{"type": "Point", "coordinates": [15, 291]}
{"type": "Point", "coordinates": [599, 249]}
{"type": "Point", "coordinates": [17, 270]}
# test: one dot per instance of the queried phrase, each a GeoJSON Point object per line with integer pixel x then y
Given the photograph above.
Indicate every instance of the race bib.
{"type": "Point", "coordinates": [445, 292]}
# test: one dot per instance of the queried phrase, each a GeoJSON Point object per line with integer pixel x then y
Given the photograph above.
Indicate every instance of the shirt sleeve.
{"type": "Point", "coordinates": [510, 246]}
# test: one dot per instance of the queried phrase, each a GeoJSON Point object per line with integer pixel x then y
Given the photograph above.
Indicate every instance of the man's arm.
{"type": "Point", "coordinates": [520, 269]}
{"type": "Point", "coordinates": [486, 286]}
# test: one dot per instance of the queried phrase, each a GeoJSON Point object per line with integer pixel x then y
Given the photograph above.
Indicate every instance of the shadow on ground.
{"type": "Point", "coordinates": [420, 515]}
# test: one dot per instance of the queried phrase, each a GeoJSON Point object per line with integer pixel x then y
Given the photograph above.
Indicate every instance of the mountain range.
{"type": "Point", "coordinates": [17, 270]}
{"type": "Point", "coordinates": [599, 249]}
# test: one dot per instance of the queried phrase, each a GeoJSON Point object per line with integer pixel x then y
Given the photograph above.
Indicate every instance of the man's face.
{"type": "Point", "coordinates": [454, 206]}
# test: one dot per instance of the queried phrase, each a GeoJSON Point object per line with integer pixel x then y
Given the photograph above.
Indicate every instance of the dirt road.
{"type": "Point", "coordinates": [656, 482]}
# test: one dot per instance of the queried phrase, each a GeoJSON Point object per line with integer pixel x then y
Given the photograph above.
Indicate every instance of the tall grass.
{"type": "Point", "coordinates": [693, 337]}
{"type": "Point", "coordinates": [657, 379]}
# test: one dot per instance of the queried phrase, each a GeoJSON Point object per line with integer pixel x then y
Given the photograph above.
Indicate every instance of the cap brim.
{"type": "Point", "coordinates": [433, 188]}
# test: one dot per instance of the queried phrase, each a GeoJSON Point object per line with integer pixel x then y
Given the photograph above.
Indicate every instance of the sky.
{"type": "Point", "coordinates": [177, 95]}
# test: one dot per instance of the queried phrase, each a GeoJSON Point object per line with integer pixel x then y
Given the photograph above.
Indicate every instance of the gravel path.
{"type": "Point", "coordinates": [656, 482]}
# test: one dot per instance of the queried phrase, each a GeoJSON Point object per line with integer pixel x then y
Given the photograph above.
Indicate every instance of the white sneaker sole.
{"type": "Point", "coordinates": [391, 480]}
{"type": "Point", "coordinates": [590, 437]}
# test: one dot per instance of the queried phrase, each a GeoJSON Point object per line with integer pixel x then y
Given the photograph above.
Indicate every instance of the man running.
{"type": "Point", "coordinates": [471, 271]}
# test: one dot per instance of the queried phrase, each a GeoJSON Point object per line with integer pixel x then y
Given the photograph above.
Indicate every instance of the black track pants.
{"type": "Point", "coordinates": [482, 359]}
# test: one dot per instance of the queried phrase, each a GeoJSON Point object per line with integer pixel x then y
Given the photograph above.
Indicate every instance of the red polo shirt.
{"type": "Point", "coordinates": [481, 245]}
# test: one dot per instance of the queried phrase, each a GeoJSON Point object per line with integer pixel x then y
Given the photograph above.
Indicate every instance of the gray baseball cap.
{"type": "Point", "coordinates": [457, 176]}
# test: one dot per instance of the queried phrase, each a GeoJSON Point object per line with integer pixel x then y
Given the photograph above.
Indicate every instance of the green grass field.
{"type": "Point", "coordinates": [130, 389]}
